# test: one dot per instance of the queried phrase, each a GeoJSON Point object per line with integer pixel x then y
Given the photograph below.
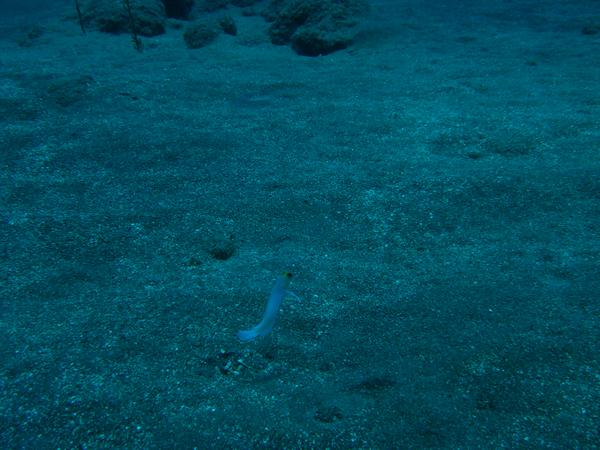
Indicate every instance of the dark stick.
{"type": "Point", "coordinates": [135, 38]}
{"type": "Point", "coordinates": [79, 15]}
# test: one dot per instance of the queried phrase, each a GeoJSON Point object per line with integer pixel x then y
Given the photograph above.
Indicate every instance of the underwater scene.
{"type": "Point", "coordinates": [299, 224]}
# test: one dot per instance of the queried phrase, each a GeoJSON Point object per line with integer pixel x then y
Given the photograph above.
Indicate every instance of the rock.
{"type": "Point", "coordinates": [111, 16]}
{"type": "Point", "coordinates": [178, 9]}
{"type": "Point", "coordinates": [243, 3]}
{"type": "Point", "coordinates": [314, 27]}
{"type": "Point", "coordinates": [228, 25]}
{"type": "Point", "coordinates": [211, 5]}
{"type": "Point", "coordinates": [200, 34]}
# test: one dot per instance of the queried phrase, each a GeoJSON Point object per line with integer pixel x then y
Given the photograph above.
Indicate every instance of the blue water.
{"type": "Point", "coordinates": [429, 172]}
